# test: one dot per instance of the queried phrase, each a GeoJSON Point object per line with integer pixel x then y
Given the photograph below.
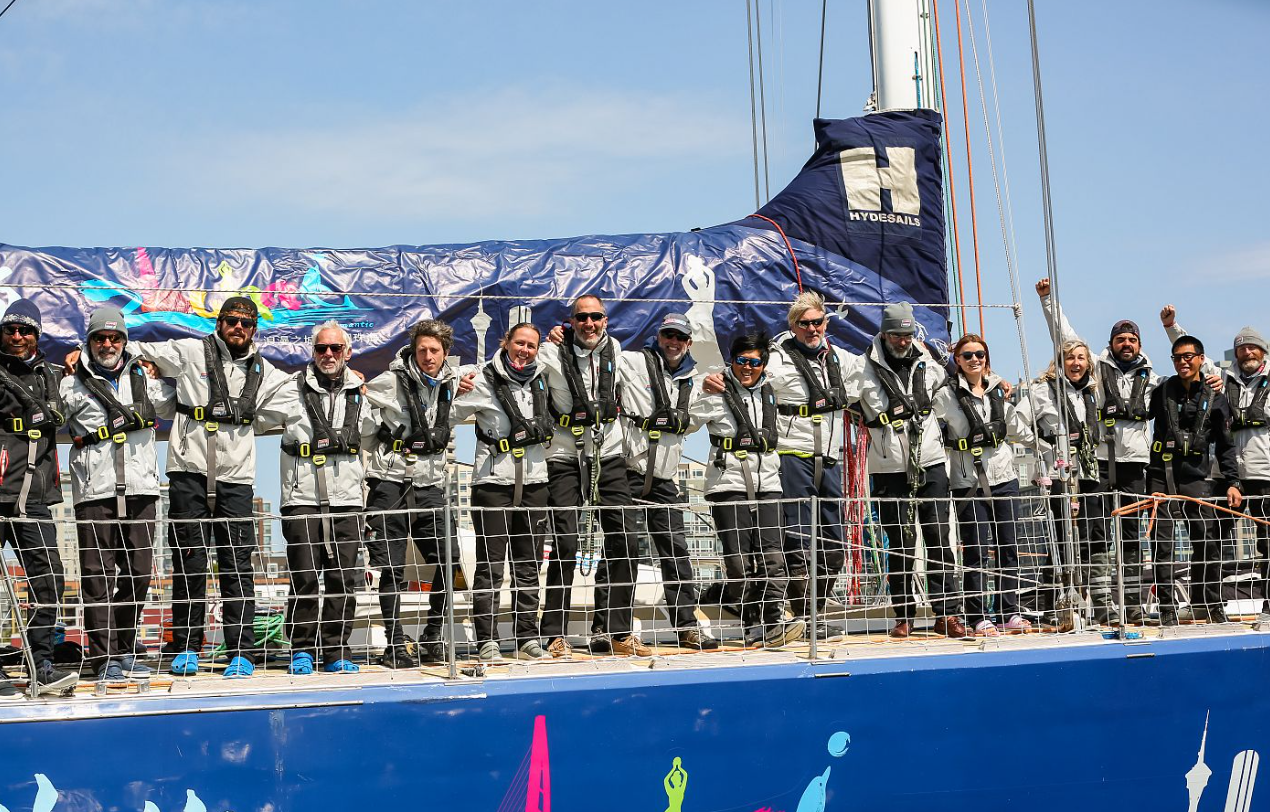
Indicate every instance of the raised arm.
{"type": "Point", "coordinates": [1055, 313]}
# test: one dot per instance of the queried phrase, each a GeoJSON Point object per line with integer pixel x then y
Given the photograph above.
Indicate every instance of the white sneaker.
{"type": "Point", "coordinates": [530, 650]}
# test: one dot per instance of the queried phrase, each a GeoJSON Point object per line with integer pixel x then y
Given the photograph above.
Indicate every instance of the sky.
{"type": "Point", "coordinates": [316, 123]}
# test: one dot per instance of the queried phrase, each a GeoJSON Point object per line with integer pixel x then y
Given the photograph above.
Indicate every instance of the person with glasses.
{"type": "Point", "coordinates": [661, 387]}
{"type": "Point", "coordinates": [743, 488]}
{"type": "Point", "coordinates": [406, 478]}
{"type": "Point", "coordinates": [223, 388]}
{"type": "Point", "coordinates": [909, 468]}
{"type": "Point", "coordinates": [321, 472]}
{"type": "Point", "coordinates": [979, 425]}
{"type": "Point", "coordinates": [112, 404]}
{"type": "Point", "coordinates": [31, 413]}
{"type": "Point", "coordinates": [1192, 428]}
{"type": "Point", "coordinates": [588, 468]}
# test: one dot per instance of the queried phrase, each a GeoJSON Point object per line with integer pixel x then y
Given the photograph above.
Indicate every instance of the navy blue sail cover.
{"type": "Point", "coordinates": [864, 218]}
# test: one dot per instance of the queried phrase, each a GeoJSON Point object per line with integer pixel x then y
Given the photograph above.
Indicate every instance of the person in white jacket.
{"type": "Point", "coordinates": [321, 471]}
{"type": "Point", "coordinates": [657, 399]}
{"type": "Point", "coordinates": [223, 389]}
{"type": "Point", "coordinates": [908, 466]}
{"type": "Point", "coordinates": [112, 405]}
{"type": "Point", "coordinates": [980, 424]}
{"type": "Point", "coordinates": [743, 488]}
{"type": "Point", "coordinates": [406, 477]}
{"type": "Point", "coordinates": [509, 487]}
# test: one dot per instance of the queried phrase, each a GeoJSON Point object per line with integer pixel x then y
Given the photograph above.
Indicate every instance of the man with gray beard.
{"type": "Point", "coordinates": [111, 407]}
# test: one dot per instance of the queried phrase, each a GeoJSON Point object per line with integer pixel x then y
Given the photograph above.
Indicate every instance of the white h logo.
{"type": "Point", "coordinates": [865, 180]}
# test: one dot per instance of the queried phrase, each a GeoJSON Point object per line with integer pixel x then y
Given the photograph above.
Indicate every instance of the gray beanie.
{"type": "Point", "coordinates": [898, 318]}
{"type": "Point", "coordinates": [1248, 335]}
{"type": "Point", "coordinates": [107, 317]}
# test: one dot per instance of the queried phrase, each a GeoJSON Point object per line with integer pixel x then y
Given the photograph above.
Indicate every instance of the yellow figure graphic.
{"type": "Point", "coordinates": [208, 305]}
{"type": "Point", "coordinates": [676, 784]}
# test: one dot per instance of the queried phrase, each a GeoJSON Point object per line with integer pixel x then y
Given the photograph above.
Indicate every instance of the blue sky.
{"type": "Point", "coordinates": [359, 124]}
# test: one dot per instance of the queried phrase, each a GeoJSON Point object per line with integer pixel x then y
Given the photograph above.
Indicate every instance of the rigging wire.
{"type": "Point", "coordinates": [948, 170]}
{"type": "Point", "coordinates": [820, 72]}
{"type": "Point", "coordinates": [996, 106]}
{"type": "Point", "coordinates": [762, 95]}
{"type": "Point", "coordinates": [749, 35]}
{"type": "Point", "coordinates": [970, 174]}
{"type": "Point", "coordinates": [6, 8]}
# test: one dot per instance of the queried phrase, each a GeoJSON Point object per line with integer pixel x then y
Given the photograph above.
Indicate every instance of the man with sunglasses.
{"type": "Point", "coordinates": [31, 411]}
{"type": "Point", "coordinates": [586, 466]}
{"type": "Point", "coordinates": [223, 388]}
{"type": "Point", "coordinates": [660, 389]}
{"type": "Point", "coordinates": [909, 467]}
{"type": "Point", "coordinates": [112, 405]}
{"type": "Point", "coordinates": [1192, 421]}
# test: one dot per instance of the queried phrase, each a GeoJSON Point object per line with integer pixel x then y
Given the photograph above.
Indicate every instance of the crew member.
{"type": "Point", "coordinates": [31, 412]}
{"type": "Point", "coordinates": [111, 408]}
{"type": "Point", "coordinates": [406, 476]}
{"type": "Point", "coordinates": [657, 401]}
{"type": "Point", "coordinates": [908, 464]}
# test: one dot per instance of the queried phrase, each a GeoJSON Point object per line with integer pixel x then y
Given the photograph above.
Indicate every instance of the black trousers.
{"type": "Point", "coordinates": [988, 525]}
{"type": "Point", "coordinates": [115, 562]}
{"type": "Point", "coordinates": [503, 532]}
{"type": "Point", "coordinates": [34, 539]}
{"type": "Point", "coordinates": [389, 533]}
{"type": "Point", "coordinates": [615, 581]}
{"type": "Point", "coordinates": [753, 554]}
{"type": "Point", "coordinates": [233, 537]}
{"type": "Point", "coordinates": [1131, 485]}
{"type": "Point", "coordinates": [930, 511]}
{"type": "Point", "coordinates": [1202, 528]}
{"type": "Point", "coordinates": [310, 559]}
{"type": "Point", "coordinates": [666, 529]}
{"type": "Point", "coordinates": [798, 482]}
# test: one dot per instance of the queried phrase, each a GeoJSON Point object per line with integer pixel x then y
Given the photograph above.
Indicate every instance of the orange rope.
{"type": "Point", "coordinates": [952, 188]}
{"type": "Point", "coordinates": [1154, 500]}
{"type": "Point", "coordinates": [798, 274]}
{"type": "Point", "coordinates": [970, 174]}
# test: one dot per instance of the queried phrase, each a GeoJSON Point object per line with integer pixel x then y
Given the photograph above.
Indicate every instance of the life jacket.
{"type": "Point", "coordinates": [665, 417]}
{"type": "Point", "coordinates": [525, 432]}
{"type": "Point", "coordinates": [901, 406]}
{"type": "Point", "coordinates": [423, 440]}
{"type": "Point", "coordinates": [121, 420]}
{"type": "Point", "coordinates": [1081, 433]}
{"type": "Point", "coordinates": [820, 399]}
{"type": "Point", "coordinates": [1182, 439]}
{"type": "Point", "coordinates": [221, 407]}
{"type": "Point", "coordinates": [38, 411]}
{"type": "Point", "coordinates": [587, 412]}
{"type": "Point", "coordinates": [748, 437]}
{"type": "Point", "coordinates": [983, 434]}
{"type": "Point", "coordinates": [1115, 408]}
{"type": "Point", "coordinates": [1253, 416]}
{"type": "Point", "coordinates": [328, 440]}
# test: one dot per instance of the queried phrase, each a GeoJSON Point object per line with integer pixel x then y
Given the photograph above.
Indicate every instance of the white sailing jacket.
{"type": "Point", "coordinates": [1047, 422]}
{"type": "Point", "coordinates": [712, 412]}
{"type": "Point", "coordinates": [637, 402]}
{"type": "Point", "coordinates": [92, 467]}
{"type": "Point", "coordinates": [998, 462]}
{"type": "Point", "coordinates": [798, 434]}
{"type": "Point", "coordinates": [343, 473]}
{"type": "Point", "coordinates": [888, 448]}
{"type": "Point", "coordinates": [182, 359]}
{"type": "Point", "coordinates": [491, 466]}
{"type": "Point", "coordinates": [389, 397]}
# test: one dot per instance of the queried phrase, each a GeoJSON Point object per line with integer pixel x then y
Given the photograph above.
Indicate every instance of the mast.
{"type": "Point", "coordinates": [895, 37]}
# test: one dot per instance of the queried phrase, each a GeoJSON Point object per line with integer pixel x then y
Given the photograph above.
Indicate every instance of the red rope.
{"type": "Point", "coordinates": [798, 274]}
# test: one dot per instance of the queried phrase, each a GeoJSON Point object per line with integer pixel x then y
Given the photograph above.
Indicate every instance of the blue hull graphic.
{"type": "Point", "coordinates": [1062, 727]}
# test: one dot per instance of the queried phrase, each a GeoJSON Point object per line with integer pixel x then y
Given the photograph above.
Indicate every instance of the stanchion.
{"type": "Point", "coordinates": [451, 661]}
{"type": "Point", "coordinates": [813, 588]}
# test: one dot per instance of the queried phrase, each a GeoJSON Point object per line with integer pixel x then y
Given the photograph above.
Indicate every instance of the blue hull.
{"type": "Point", "coordinates": [1052, 727]}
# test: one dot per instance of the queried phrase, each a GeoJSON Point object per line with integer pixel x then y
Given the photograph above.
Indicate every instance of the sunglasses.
{"type": "Point", "coordinates": [19, 330]}
{"type": "Point", "coordinates": [1185, 357]}
{"type": "Point", "coordinates": [239, 321]}
{"type": "Point", "coordinates": [805, 323]}
{"type": "Point", "coordinates": [590, 316]}
{"type": "Point", "coordinates": [743, 361]}
{"type": "Point", "coordinates": [323, 349]}
{"type": "Point", "coordinates": [107, 338]}
{"type": "Point", "coordinates": [675, 334]}
{"type": "Point", "coordinates": [971, 354]}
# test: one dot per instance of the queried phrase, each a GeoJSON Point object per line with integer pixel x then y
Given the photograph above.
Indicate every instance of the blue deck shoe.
{"type": "Point", "coordinates": [341, 667]}
{"type": "Point", "coordinates": [111, 672]}
{"type": "Point", "coordinates": [239, 668]}
{"type": "Point", "coordinates": [184, 664]}
{"type": "Point", "coordinates": [132, 667]}
{"type": "Point", "coordinates": [301, 664]}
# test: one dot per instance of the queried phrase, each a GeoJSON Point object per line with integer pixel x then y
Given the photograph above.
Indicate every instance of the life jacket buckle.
{"type": "Point", "coordinates": [17, 425]}
{"type": "Point", "coordinates": [727, 444]}
{"type": "Point", "coordinates": [654, 435]}
{"type": "Point", "coordinates": [518, 452]}
{"type": "Point", "coordinates": [742, 454]}
{"type": "Point", "coordinates": [1157, 446]}
{"type": "Point", "coordinates": [815, 418]}
{"type": "Point", "coordinates": [977, 451]}
{"type": "Point", "coordinates": [803, 411]}
{"type": "Point", "coordinates": [319, 460]}
{"type": "Point", "coordinates": [1166, 457]}
{"type": "Point", "coordinates": [397, 445]}
{"type": "Point", "coordinates": [962, 445]}
{"type": "Point", "coordinates": [199, 413]}
{"type": "Point", "coordinates": [120, 438]}
{"type": "Point", "coordinates": [504, 446]}
{"type": "Point", "coordinates": [103, 433]}
{"type": "Point", "coordinates": [564, 421]}
{"type": "Point", "coordinates": [897, 425]}
{"type": "Point", "coordinates": [305, 450]}
{"type": "Point", "coordinates": [212, 426]}
{"type": "Point", "coordinates": [578, 430]}
{"type": "Point", "coordinates": [34, 434]}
